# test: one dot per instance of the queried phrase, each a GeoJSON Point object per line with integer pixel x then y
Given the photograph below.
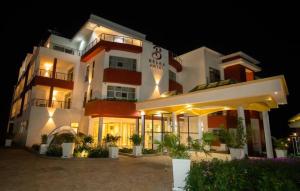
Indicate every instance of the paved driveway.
{"type": "Point", "coordinates": [21, 170]}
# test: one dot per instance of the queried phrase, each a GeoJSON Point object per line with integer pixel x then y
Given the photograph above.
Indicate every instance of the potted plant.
{"type": "Point", "coordinates": [137, 148]}
{"type": "Point", "coordinates": [68, 145]}
{"type": "Point", "coordinates": [207, 139]}
{"type": "Point", "coordinates": [180, 159]}
{"type": "Point", "coordinates": [281, 146]}
{"type": "Point", "coordinates": [8, 140]}
{"type": "Point", "coordinates": [223, 137]}
{"type": "Point", "coordinates": [43, 146]}
{"type": "Point", "coordinates": [113, 149]}
{"type": "Point", "coordinates": [236, 141]}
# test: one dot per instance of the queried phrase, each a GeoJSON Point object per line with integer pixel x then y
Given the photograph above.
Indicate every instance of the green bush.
{"type": "Point", "coordinates": [98, 152]}
{"type": "Point", "coordinates": [149, 151]}
{"type": "Point", "coordinates": [125, 150]}
{"type": "Point", "coordinates": [245, 175]}
{"type": "Point", "coordinates": [35, 147]}
{"type": "Point", "coordinates": [136, 139]}
{"type": "Point", "coordinates": [63, 138]}
{"type": "Point", "coordinates": [237, 139]}
{"type": "Point", "coordinates": [44, 138]}
{"type": "Point", "coordinates": [54, 150]}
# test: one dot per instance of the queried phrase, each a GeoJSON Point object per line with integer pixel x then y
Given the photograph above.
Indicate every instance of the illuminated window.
{"type": "Point", "coordinates": [122, 93]}
{"type": "Point", "coordinates": [122, 63]}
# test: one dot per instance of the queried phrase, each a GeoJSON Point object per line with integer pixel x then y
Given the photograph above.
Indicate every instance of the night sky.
{"type": "Point", "coordinates": [269, 33]}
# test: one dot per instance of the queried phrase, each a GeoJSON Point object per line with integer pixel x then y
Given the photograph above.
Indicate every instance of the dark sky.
{"type": "Point", "coordinates": [269, 33]}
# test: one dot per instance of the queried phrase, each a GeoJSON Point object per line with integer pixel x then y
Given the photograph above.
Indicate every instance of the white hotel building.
{"type": "Point", "coordinates": [110, 79]}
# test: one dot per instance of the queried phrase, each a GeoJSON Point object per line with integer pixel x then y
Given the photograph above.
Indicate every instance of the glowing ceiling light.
{"type": "Point", "coordinates": [276, 93]}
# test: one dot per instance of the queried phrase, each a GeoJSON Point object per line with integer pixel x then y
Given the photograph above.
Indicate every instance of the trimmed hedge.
{"type": "Point", "coordinates": [245, 175]}
{"type": "Point", "coordinates": [98, 152]}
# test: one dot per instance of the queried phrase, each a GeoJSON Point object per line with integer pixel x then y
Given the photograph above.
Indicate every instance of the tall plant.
{"type": "Point", "coordinates": [44, 138]}
{"type": "Point", "coordinates": [136, 139]}
{"type": "Point", "coordinates": [112, 140]}
{"type": "Point", "coordinates": [237, 139]}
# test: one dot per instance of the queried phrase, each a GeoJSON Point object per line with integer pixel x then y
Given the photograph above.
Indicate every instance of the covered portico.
{"type": "Point", "coordinates": [258, 95]}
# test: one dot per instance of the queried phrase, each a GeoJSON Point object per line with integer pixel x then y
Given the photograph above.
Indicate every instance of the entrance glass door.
{"type": "Point", "coordinates": [122, 127]}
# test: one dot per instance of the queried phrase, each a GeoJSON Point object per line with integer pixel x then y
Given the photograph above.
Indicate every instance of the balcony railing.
{"type": "Point", "coordinates": [112, 38]}
{"type": "Point", "coordinates": [58, 75]}
{"type": "Point", "coordinates": [54, 103]}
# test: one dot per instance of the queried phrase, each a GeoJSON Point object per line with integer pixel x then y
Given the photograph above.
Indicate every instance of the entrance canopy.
{"type": "Point", "coordinates": [259, 95]}
{"type": "Point", "coordinates": [294, 122]}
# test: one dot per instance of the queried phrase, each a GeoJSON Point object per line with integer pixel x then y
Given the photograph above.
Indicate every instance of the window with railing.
{"type": "Point", "coordinates": [64, 49]}
{"type": "Point", "coordinates": [122, 63]}
{"type": "Point", "coordinates": [54, 103]}
{"type": "Point", "coordinates": [214, 75]}
{"type": "Point", "coordinates": [120, 93]}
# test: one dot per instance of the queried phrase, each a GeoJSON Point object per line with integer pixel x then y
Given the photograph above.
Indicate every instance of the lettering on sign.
{"type": "Point", "coordinates": [156, 58]}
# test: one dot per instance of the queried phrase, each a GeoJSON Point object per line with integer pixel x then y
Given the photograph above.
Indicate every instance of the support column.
{"type": "Point", "coordinates": [100, 130]}
{"type": "Point", "coordinates": [200, 127]}
{"type": "Point", "coordinates": [137, 124]}
{"type": "Point", "coordinates": [174, 123]}
{"type": "Point", "coordinates": [54, 68]}
{"type": "Point", "coordinates": [50, 97]}
{"type": "Point", "coordinates": [241, 114]}
{"type": "Point", "coordinates": [143, 130]}
{"type": "Point", "coordinates": [267, 131]}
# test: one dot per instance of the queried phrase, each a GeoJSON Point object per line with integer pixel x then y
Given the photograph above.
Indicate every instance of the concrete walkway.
{"type": "Point", "coordinates": [22, 170]}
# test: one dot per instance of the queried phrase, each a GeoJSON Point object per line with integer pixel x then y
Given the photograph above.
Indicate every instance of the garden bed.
{"type": "Point", "coordinates": [254, 174]}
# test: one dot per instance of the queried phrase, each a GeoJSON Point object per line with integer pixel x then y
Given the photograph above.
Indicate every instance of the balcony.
{"type": "Point", "coordinates": [57, 75]}
{"type": "Point", "coordinates": [109, 42]}
{"type": "Point", "coordinates": [111, 108]}
{"type": "Point", "coordinates": [122, 76]}
{"type": "Point", "coordinates": [53, 104]}
{"type": "Point", "coordinates": [175, 61]}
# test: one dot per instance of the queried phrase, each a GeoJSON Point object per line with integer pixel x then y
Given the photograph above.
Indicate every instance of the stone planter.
{"type": "Point", "coordinates": [237, 153]}
{"type": "Point", "coordinates": [43, 149]}
{"type": "Point", "coordinates": [223, 147]}
{"type": "Point", "coordinates": [281, 153]}
{"type": "Point", "coordinates": [181, 167]}
{"type": "Point", "coordinates": [68, 150]}
{"type": "Point", "coordinates": [8, 142]}
{"type": "Point", "coordinates": [113, 152]}
{"type": "Point", "coordinates": [137, 150]}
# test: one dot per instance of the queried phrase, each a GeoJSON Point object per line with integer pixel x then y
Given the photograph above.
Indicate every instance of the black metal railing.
{"type": "Point", "coordinates": [54, 103]}
{"type": "Point", "coordinates": [58, 75]}
{"type": "Point", "coordinates": [112, 38]}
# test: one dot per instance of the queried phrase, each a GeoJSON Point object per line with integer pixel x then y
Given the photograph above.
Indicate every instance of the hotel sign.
{"type": "Point", "coordinates": [155, 60]}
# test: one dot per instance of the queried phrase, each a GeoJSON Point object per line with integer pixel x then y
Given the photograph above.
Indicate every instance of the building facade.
{"type": "Point", "coordinates": [108, 79]}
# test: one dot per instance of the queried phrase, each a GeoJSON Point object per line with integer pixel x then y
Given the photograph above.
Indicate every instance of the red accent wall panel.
{"type": "Point", "coordinates": [174, 63]}
{"type": "Point", "coordinates": [173, 85]}
{"type": "Point", "coordinates": [235, 72]}
{"type": "Point", "coordinates": [122, 76]}
{"type": "Point", "coordinates": [44, 81]}
{"type": "Point", "coordinates": [107, 108]}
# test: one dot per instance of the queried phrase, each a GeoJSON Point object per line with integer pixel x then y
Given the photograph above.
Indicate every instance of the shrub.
{"type": "Point", "coordinates": [149, 151]}
{"type": "Point", "coordinates": [88, 139]}
{"type": "Point", "coordinates": [44, 138]}
{"type": "Point", "coordinates": [111, 140]}
{"type": "Point", "coordinates": [276, 175]}
{"type": "Point", "coordinates": [98, 152]}
{"type": "Point", "coordinates": [136, 139]}
{"type": "Point", "coordinates": [223, 135]}
{"type": "Point", "coordinates": [208, 138]}
{"type": "Point", "coordinates": [35, 147]}
{"type": "Point", "coordinates": [281, 144]}
{"type": "Point", "coordinates": [54, 150]}
{"type": "Point", "coordinates": [125, 150]}
{"type": "Point", "coordinates": [63, 138]}
{"type": "Point", "coordinates": [237, 139]}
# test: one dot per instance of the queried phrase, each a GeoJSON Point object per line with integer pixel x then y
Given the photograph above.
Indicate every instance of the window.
{"type": "Point", "coordinates": [93, 69]}
{"type": "Point", "coordinates": [122, 63]}
{"type": "Point", "coordinates": [172, 75]}
{"type": "Point", "coordinates": [87, 73]}
{"type": "Point", "coordinates": [214, 75]}
{"type": "Point", "coordinates": [123, 93]}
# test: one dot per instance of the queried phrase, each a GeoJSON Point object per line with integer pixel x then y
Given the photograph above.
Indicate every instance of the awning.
{"type": "Point", "coordinates": [259, 95]}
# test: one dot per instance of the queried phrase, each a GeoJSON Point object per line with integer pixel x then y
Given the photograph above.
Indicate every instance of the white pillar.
{"type": "Point", "coordinates": [143, 129]}
{"type": "Point", "coordinates": [267, 131]}
{"type": "Point", "coordinates": [174, 123]}
{"type": "Point", "coordinates": [100, 129]}
{"type": "Point", "coordinates": [241, 114]}
{"type": "Point", "coordinates": [200, 127]}
{"type": "Point", "coordinates": [90, 129]}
